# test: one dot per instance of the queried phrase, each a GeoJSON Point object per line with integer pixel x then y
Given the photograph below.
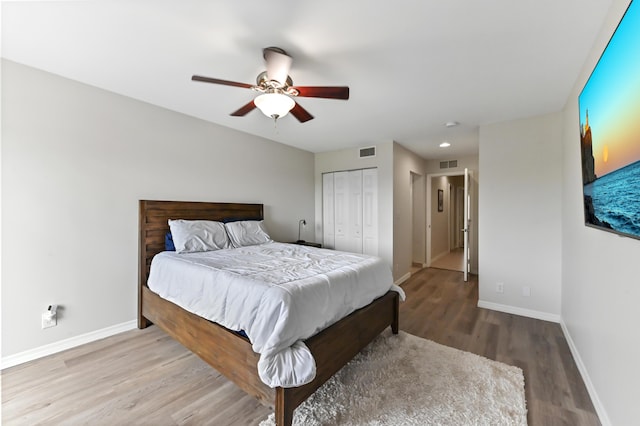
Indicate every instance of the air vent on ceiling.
{"type": "Point", "coordinates": [368, 152]}
{"type": "Point", "coordinates": [448, 164]}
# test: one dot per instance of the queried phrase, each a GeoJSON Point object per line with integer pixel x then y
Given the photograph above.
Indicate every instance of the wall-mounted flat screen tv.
{"type": "Point", "coordinates": [609, 107]}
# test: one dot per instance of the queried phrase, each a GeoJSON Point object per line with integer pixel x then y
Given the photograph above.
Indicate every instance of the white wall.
{"type": "Point", "coordinates": [348, 159]}
{"type": "Point", "coordinates": [600, 280]}
{"type": "Point", "coordinates": [405, 162]}
{"type": "Point", "coordinates": [519, 215]}
{"type": "Point", "coordinates": [75, 162]}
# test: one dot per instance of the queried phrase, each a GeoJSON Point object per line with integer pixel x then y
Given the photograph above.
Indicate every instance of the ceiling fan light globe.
{"type": "Point", "coordinates": [274, 105]}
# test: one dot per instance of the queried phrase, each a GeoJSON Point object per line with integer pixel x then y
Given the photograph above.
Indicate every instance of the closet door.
{"type": "Point", "coordinates": [370, 211]}
{"type": "Point", "coordinates": [341, 210]}
{"type": "Point", "coordinates": [328, 211]}
{"type": "Point", "coordinates": [354, 228]}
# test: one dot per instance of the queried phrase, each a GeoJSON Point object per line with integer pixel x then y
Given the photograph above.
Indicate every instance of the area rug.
{"type": "Point", "coordinates": [406, 380]}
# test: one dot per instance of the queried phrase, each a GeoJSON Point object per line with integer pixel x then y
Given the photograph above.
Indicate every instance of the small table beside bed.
{"type": "Point", "coordinates": [282, 355]}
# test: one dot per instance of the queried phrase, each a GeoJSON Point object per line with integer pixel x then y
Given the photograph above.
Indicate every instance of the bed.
{"type": "Point", "coordinates": [225, 350]}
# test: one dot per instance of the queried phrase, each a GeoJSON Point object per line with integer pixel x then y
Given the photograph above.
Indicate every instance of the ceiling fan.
{"type": "Point", "coordinates": [277, 89]}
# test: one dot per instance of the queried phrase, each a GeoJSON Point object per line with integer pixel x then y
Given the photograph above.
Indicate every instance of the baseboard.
{"type": "Point", "coordinates": [597, 404]}
{"type": "Point", "coordinates": [545, 316]}
{"type": "Point", "coordinates": [63, 345]}
{"type": "Point", "coordinates": [403, 278]}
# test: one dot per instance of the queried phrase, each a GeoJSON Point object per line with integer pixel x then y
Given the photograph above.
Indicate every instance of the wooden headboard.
{"type": "Point", "coordinates": [153, 224]}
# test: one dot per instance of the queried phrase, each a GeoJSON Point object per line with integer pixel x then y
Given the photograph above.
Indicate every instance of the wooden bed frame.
{"type": "Point", "coordinates": [228, 352]}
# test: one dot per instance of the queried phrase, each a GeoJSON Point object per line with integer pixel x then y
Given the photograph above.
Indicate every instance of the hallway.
{"type": "Point", "coordinates": [453, 261]}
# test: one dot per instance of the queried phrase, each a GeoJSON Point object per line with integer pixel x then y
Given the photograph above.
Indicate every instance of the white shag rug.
{"type": "Point", "coordinates": [406, 380]}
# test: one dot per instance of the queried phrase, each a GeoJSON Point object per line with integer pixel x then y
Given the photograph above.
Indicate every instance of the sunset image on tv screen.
{"type": "Point", "coordinates": [609, 108]}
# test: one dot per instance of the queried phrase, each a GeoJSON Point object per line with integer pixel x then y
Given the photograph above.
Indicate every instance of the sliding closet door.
{"type": "Point", "coordinates": [354, 228]}
{"type": "Point", "coordinates": [370, 211]}
{"type": "Point", "coordinates": [341, 210]}
{"type": "Point", "coordinates": [328, 211]}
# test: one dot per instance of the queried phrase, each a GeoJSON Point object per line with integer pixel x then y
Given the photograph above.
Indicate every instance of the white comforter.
{"type": "Point", "coordinates": [279, 294]}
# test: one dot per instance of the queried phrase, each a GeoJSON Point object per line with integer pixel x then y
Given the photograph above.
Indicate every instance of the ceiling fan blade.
{"type": "Point", "coordinates": [300, 113]}
{"type": "Point", "coordinates": [244, 110]}
{"type": "Point", "coordinates": [218, 81]}
{"type": "Point", "coordinates": [327, 92]}
{"type": "Point", "coordinates": [278, 64]}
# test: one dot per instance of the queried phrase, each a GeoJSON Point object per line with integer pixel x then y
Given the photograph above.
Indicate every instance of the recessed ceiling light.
{"type": "Point", "coordinates": [445, 145]}
{"type": "Point", "coordinates": [451, 123]}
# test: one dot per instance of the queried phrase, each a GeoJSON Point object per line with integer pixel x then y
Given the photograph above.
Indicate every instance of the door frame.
{"type": "Point", "coordinates": [428, 208]}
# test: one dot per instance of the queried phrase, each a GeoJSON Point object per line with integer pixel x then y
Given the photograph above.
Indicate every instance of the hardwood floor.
{"type": "Point", "coordinates": [143, 377]}
{"type": "Point", "coordinates": [442, 308]}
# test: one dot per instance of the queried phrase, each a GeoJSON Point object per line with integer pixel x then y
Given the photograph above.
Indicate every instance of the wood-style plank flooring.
{"type": "Point", "coordinates": [442, 308]}
{"type": "Point", "coordinates": [143, 377]}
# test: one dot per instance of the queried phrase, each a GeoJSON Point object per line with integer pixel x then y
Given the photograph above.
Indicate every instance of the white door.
{"type": "Point", "coordinates": [350, 211]}
{"type": "Point", "coordinates": [341, 210]}
{"type": "Point", "coordinates": [354, 229]}
{"type": "Point", "coordinates": [370, 211]}
{"type": "Point", "coordinates": [328, 212]}
{"type": "Point", "coordinates": [459, 216]}
{"type": "Point", "coordinates": [467, 221]}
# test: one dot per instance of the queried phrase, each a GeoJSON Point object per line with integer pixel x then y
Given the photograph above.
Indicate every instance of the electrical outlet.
{"type": "Point", "coordinates": [526, 291]}
{"type": "Point", "coordinates": [48, 319]}
{"type": "Point", "coordinates": [500, 288]}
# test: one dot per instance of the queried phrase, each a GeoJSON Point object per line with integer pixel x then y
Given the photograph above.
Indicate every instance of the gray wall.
{"type": "Point", "coordinates": [520, 215]}
{"type": "Point", "coordinates": [405, 163]}
{"type": "Point", "coordinates": [75, 162]}
{"type": "Point", "coordinates": [532, 233]}
{"type": "Point", "coordinates": [600, 281]}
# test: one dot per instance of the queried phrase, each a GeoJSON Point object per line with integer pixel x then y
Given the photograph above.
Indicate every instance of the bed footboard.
{"type": "Point", "coordinates": [335, 346]}
{"type": "Point", "coordinates": [232, 355]}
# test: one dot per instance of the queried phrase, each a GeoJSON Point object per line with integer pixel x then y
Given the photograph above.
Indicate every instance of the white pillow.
{"type": "Point", "coordinates": [198, 235]}
{"type": "Point", "coordinates": [247, 233]}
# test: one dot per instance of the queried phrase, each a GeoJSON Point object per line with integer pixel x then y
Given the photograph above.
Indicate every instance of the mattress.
{"type": "Point", "coordinates": [279, 294]}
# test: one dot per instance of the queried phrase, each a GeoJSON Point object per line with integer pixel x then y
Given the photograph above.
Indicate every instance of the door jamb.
{"type": "Point", "coordinates": [428, 208]}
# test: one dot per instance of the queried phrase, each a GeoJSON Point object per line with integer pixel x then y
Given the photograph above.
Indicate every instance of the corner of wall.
{"type": "Point", "coordinates": [595, 399]}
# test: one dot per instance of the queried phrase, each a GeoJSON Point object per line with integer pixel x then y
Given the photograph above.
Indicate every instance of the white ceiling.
{"type": "Point", "coordinates": [411, 65]}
